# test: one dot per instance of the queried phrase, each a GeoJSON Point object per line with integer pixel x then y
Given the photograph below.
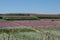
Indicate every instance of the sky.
{"type": "Point", "coordinates": [30, 6]}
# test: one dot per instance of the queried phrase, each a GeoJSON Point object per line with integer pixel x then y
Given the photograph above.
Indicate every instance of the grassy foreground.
{"type": "Point", "coordinates": [30, 33]}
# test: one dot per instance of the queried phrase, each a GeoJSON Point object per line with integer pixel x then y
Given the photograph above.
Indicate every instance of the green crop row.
{"type": "Point", "coordinates": [49, 17]}
{"type": "Point", "coordinates": [21, 18]}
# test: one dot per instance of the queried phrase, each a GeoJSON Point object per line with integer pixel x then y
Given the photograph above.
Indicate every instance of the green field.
{"type": "Point", "coordinates": [30, 33]}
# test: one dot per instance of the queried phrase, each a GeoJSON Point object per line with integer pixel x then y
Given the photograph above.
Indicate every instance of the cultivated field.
{"type": "Point", "coordinates": [29, 23]}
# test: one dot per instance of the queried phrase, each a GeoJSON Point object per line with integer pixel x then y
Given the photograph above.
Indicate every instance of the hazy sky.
{"type": "Point", "coordinates": [30, 6]}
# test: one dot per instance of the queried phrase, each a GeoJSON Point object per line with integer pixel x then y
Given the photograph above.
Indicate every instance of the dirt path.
{"type": "Point", "coordinates": [36, 30]}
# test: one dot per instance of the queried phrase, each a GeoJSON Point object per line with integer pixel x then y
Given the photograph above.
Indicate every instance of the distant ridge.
{"type": "Point", "coordinates": [31, 13]}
